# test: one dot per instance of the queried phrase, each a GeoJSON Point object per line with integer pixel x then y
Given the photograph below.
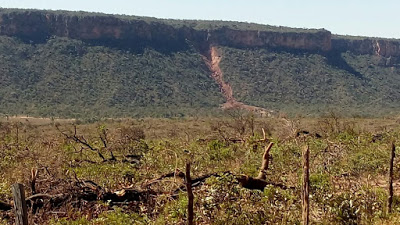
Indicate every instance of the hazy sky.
{"type": "Point", "coordinates": [354, 17]}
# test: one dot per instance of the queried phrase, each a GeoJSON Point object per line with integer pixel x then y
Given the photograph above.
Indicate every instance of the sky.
{"type": "Point", "coordinates": [346, 17]}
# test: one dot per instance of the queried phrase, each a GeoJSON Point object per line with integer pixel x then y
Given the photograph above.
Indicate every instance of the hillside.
{"type": "Point", "coordinates": [313, 83]}
{"type": "Point", "coordinates": [65, 77]}
{"type": "Point", "coordinates": [77, 64]}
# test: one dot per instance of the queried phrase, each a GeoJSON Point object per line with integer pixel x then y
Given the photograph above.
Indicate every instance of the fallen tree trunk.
{"type": "Point", "coordinates": [5, 206]}
{"type": "Point", "coordinates": [90, 191]}
{"type": "Point", "coordinates": [258, 184]}
{"type": "Point", "coordinates": [244, 181]}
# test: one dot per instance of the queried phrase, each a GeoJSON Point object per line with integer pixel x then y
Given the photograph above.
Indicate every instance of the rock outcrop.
{"type": "Point", "coordinates": [380, 47]}
{"type": "Point", "coordinates": [316, 41]}
{"type": "Point", "coordinates": [38, 26]}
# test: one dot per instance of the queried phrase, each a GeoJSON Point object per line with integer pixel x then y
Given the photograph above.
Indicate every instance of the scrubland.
{"type": "Point", "coordinates": [129, 171]}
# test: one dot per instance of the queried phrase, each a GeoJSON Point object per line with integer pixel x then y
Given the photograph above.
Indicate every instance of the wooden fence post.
{"type": "Point", "coordinates": [306, 186]}
{"type": "Point", "coordinates": [190, 194]}
{"type": "Point", "coordinates": [390, 188]}
{"type": "Point", "coordinates": [21, 211]}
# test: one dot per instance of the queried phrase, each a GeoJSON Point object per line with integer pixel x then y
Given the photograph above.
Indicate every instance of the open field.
{"type": "Point", "coordinates": [34, 120]}
{"type": "Point", "coordinates": [121, 171]}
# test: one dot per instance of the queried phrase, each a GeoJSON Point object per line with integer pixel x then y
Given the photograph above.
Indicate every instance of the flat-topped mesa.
{"type": "Point", "coordinates": [372, 46]}
{"type": "Point", "coordinates": [134, 32]}
{"type": "Point", "coordinates": [38, 26]}
{"type": "Point", "coordinates": [313, 41]}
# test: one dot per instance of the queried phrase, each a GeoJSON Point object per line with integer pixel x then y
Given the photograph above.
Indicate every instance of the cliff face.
{"type": "Point", "coordinates": [305, 41]}
{"type": "Point", "coordinates": [38, 26]}
{"type": "Point", "coordinates": [384, 48]}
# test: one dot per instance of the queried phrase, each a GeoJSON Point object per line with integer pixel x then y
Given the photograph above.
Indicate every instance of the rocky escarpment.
{"type": "Point", "coordinates": [380, 47]}
{"type": "Point", "coordinates": [38, 26]}
{"type": "Point", "coordinates": [315, 41]}
{"type": "Point", "coordinates": [387, 51]}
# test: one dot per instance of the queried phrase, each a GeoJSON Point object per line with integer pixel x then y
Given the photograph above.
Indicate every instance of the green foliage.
{"type": "Point", "coordinates": [69, 78]}
{"type": "Point", "coordinates": [176, 210]}
{"type": "Point", "coordinates": [320, 182]}
{"type": "Point", "coordinates": [310, 83]}
{"type": "Point", "coordinates": [365, 205]}
{"type": "Point", "coordinates": [369, 160]}
{"type": "Point", "coordinates": [218, 150]}
{"type": "Point", "coordinates": [5, 191]}
{"type": "Point", "coordinates": [227, 203]}
{"type": "Point", "coordinates": [115, 217]}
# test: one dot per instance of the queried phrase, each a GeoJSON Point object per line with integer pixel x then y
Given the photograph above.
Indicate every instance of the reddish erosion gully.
{"type": "Point", "coordinates": [226, 89]}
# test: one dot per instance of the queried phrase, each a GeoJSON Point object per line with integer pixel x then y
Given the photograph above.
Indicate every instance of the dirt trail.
{"type": "Point", "coordinates": [226, 89]}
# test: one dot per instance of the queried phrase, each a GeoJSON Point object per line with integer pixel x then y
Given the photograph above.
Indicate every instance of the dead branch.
{"type": "Point", "coordinates": [244, 181]}
{"type": "Point", "coordinates": [43, 196]}
{"type": "Point", "coordinates": [34, 174]}
{"type": "Point", "coordinates": [258, 184]}
{"type": "Point", "coordinates": [104, 139]}
{"type": "Point", "coordinates": [265, 162]}
{"type": "Point", "coordinates": [262, 140]}
{"type": "Point", "coordinates": [90, 191]}
{"type": "Point", "coordinates": [5, 206]}
{"type": "Point", "coordinates": [177, 173]}
{"type": "Point", "coordinates": [81, 140]}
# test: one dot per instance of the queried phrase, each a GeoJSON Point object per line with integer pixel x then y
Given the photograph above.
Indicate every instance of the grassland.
{"type": "Point", "coordinates": [348, 168]}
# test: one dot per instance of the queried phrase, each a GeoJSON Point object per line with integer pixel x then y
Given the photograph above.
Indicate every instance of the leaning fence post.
{"type": "Point", "coordinates": [306, 186]}
{"type": "Point", "coordinates": [21, 211]}
{"type": "Point", "coordinates": [390, 188]}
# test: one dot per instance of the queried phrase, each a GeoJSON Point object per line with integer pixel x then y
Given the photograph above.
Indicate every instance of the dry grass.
{"type": "Point", "coordinates": [348, 164]}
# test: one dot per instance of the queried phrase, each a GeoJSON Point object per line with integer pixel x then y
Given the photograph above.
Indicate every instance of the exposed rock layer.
{"type": "Point", "coordinates": [385, 48]}
{"type": "Point", "coordinates": [38, 26]}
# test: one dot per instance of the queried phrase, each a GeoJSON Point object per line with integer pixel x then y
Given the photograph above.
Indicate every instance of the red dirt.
{"type": "Point", "coordinates": [226, 89]}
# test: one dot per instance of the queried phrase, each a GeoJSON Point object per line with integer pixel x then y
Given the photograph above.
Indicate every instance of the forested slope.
{"type": "Point", "coordinates": [68, 78]}
{"type": "Point", "coordinates": [313, 84]}
{"type": "Point", "coordinates": [78, 64]}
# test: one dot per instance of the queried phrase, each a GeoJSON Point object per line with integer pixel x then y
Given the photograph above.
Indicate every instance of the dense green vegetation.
{"type": "Point", "coordinates": [69, 78]}
{"type": "Point", "coordinates": [312, 84]}
{"type": "Point", "coordinates": [139, 77]}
